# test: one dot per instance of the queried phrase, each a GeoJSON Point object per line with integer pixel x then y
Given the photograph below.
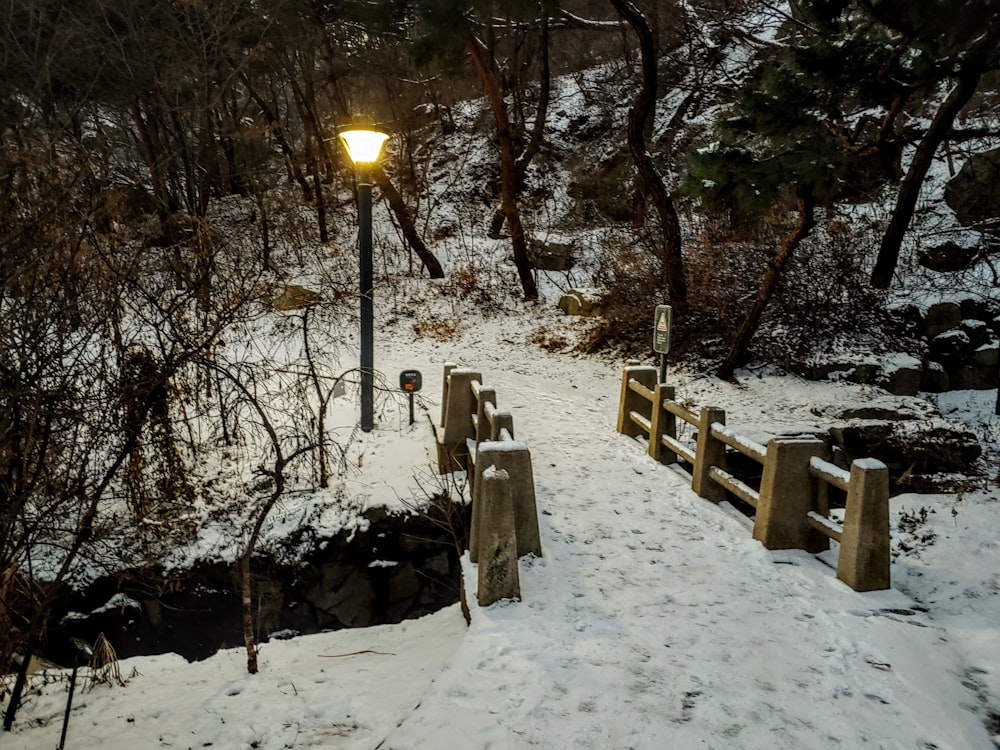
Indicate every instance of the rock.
{"type": "Point", "coordinates": [402, 588]}
{"type": "Point", "coordinates": [909, 446]}
{"type": "Point", "coordinates": [393, 566]}
{"type": "Point", "coordinates": [351, 603]}
{"type": "Point", "coordinates": [978, 332]}
{"type": "Point", "coordinates": [950, 348]}
{"type": "Point", "coordinates": [902, 376]}
{"type": "Point", "coordinates": [823, 370]}
{"type": "Point", "coordinates": [865, 373]}
{"type": "Point", "coordinates": [974, 193]}
{"type": "Point", "coordinates": [295, 297]}
{"type": "Point", "coordinates": [935, 378]}
{"type": "Point", "coordinates": [978, 308]}
{"type": "Point", "coordinates": [869, 412]}
{"type": "Point", "coordinates": [941, 317]}
{"type": "Point", "coordinates": [550, 256]}
{"type": "Point", "coordinates": [972, 377]}
{"type": "Point", "coordinates": [947, 258]}
{"type": "Point", "coordinates": [582, 302]}
{"type": "Point", "coordinates": [988, 355]}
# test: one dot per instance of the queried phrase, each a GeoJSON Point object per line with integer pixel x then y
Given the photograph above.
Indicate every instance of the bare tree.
{"type": "Point", "coordinates": [672, 260]}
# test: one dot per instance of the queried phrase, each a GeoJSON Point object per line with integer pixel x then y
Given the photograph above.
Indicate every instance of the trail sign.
{"type": "Point", "coordinates": [662, 321]}
{"type": "Point", "coordinates": [410, 381]}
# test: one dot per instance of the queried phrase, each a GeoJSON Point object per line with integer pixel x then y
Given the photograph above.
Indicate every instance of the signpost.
{"type": "Point", "coordinates": [410, 382]}
{"type": "Point", "coordinates": [662, 322]}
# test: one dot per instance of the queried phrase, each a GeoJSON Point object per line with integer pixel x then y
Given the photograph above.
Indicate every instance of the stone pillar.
{"type": "Point", "coordinates": [498, 574]}
{"type": "Point", "coordinates": [502, 420]}
{"type": "Point", "coordinates": [486, 396]}
{"type": "Point", "coordinates": [863, 563]}
{"type": "Point", "coordinates": [514, 458]}
{"type": "Point", "coordinates": [448, 367]}
{"type": "Point", "coordinates": [710, 452]}
{"type": "Point", "coordinates": [787, 494]}
{"type": "Point", "coordinates": [457, 424]}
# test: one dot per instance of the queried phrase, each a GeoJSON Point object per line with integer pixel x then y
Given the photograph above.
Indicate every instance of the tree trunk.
{"type": "Point", "coordinates": [534, 141]}
{"type": "Point", "coordinates": [996, 407]}
{"type": "Point", "coordinates": [909, 189]}
{"type": "Point", "coordinates": [508, 165]}
{"type": "Point", "coordinates": [246, 591]}
{"type": "Point", "coordinates": [151, 155]}
{"type": "Point", "coordinates": [772, 275]}
{"type": "Point", "coordinates": [278, 132]}
{"type": "Point", "coordinates": [406, 224]}
{"type": "Point", "coordinates": [14, 702]}
{"type": "Point", "coordinates": [671, 259]}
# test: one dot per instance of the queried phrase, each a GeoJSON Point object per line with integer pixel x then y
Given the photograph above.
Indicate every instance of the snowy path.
{"type": "Point", "coordinates": [655, 621]}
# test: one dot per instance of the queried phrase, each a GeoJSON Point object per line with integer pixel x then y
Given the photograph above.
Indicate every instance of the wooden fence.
{"type": "Point", "coordinates": [477, 437]}
{"type": "Point", "coordinates": [792, 510]}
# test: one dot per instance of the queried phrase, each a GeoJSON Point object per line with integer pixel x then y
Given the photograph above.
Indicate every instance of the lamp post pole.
{"type": "Point", "coordinates": [363, 146]}
{"type": "Point", "coordinates": [367, 284]}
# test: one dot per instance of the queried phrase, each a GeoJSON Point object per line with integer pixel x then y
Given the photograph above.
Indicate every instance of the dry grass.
{"type": "Point", "coordinates": [436, 328]}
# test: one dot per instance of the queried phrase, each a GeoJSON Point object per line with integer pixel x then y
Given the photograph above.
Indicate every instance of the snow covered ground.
{"type": "Point", "coordinates": [653, 620]}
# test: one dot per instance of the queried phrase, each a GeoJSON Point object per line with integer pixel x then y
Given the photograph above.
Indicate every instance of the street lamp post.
{"type": "Point", "coordinates": [364, 146]}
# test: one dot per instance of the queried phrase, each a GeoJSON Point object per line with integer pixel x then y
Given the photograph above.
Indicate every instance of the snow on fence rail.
{"type": "Point", "coordinates": [477, 437]}
{"type": "Point", "coordinates": [792, 510]}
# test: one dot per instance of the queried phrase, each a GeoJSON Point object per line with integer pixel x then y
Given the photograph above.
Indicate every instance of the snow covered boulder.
{"type": "Point", "coordinates": [934, 378]}
{"type": "Point", "coordinates": [910, 447]}
{"type": "Point", "coordinates": [902, 375]}
{"type": "Point", "coordinates": [974, 193]}
{"type": "Point", "coordinates": [951, 348]}
{"type": "Point", "coordinates": [942, 317]}
{"type": "Point", "coordinates": [948, 257]}
{"type": "Point", "coordinates": [550, 256]}
{"type": "Point", "coordinates": [585, 302]}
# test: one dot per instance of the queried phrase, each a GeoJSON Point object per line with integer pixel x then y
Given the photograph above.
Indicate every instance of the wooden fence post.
{"type": "Point", "coordinates": [457, 424]}
{"type": "Point", "coordinates": [787, 494]}
{"type": "Point", "coordinates": [710, 452]}
{"type": "Point", "coordinates": [631, 401]}
{"type": "Point", "coordinates": [514, 458]}
{"type": "Point", "coordinates": [863, 563]}
{"type": "Point", "coordinates": [498, 575]}
{"type": "Point", "coordinates": [662, 422]}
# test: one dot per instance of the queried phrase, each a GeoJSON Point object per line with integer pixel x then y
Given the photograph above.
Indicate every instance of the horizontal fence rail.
{"type": "Point", "coordinates": [792, 509]}
{"type": "Point", "coordinates": [477, 437]}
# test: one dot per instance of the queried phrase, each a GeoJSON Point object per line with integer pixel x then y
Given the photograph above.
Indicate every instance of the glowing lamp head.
{"type": "Point", "coordinates": [363, 144]}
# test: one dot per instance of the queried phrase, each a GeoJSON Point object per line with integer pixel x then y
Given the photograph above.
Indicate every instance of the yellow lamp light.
{"type": "Point", "coordinates": [363, 144]}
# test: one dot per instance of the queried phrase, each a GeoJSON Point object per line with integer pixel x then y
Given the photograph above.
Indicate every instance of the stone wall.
{"type": "Point", "coordinates": [399, 567]}
{"type": "Point", "coordinates": [962, 349]}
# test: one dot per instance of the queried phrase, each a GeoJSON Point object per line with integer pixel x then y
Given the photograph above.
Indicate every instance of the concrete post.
{"type": "Point", "coordinates": [662, 423]}
{"type": "Point", "coordinates": [710, 452]}
{"type": "Point", "coordinates": [483, 428]}
{"type": "Point", "coordinates": [514, 458]}
{"type": "Point", "coordinates": [448, 367]}
{"type": "Point", "coordinates": [458, 410]}
{"type": "Point", "coordinates": [498, 574]}
{"type": "Point", "coordinates": [502, 420]}
{"type": "Point", "coordinates": [787, 494]}
{"type": "Point", "coordinates": [864, 546]}
{"type": "Point", "coordinates": [631, 401]}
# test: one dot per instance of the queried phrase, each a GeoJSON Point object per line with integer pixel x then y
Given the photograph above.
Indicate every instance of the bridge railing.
{"type": "Point", "coordinates": [478, 438]}
{"type": "Point", "coordinates": [791, 505]}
